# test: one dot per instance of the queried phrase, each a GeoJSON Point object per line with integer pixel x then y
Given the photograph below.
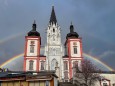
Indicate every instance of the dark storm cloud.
{"type": "Point", "coordinates": [11, 48]}
{"type": "Point", "coordinates": [96, 16]}
{"type": "Point", "coordinates": [94, 20]}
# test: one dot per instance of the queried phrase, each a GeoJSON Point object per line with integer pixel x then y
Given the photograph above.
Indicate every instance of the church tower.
{"type": "Point", "coordinates": [73, 49]}
{"type": "Point", "coordinates": [53, 48]}
{"type": "Point", "coordinates": [32, 50]}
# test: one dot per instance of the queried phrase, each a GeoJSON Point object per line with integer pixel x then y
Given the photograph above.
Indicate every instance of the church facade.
{"type": "Point", "coordinates": [57, 56]}
{"type": "Point", "coordinates": [57, 64]}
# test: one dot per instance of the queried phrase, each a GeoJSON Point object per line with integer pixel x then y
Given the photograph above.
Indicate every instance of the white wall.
{"type": "Point", "coordinates": [110, 77]}
{"type": "Point", "coordinates": [78, 49]}
{"type": "Point", "coordinates": [35, 48]}
{"type": "Point", "coordinates": [54, 48]}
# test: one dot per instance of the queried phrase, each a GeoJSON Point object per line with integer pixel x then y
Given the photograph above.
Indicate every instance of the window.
{"type": "Point", "coordinates": [75, 64]}
{"type": "Point", "coordinates": [54, 64]}
{"type": "Point", "coordinates": [105, 84]}
{"type": "Point", "coordinates": [47, 83]}
{"type": "Point", "coordinates": [53, 30]}
{"type": "Point", "coordinates": [114, 84]}
{"type": "Point", "coordinates": [65, 65]}
{"type": "Point", "coordinates": [42, 65]}
{"type": "Point", "coordinates": [31, 48]}
{"type": "Point", "coordinates": [31, 64]}
{"type": "Point", "coordinates": [66, 75]}
{"type": "Point", "coordinates": [75, 49]}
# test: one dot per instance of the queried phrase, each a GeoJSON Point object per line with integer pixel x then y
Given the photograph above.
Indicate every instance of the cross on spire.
{"type": "Point", "coordinates": [34, 26]}
{"type": "Point", "coordinates": [71, 28]}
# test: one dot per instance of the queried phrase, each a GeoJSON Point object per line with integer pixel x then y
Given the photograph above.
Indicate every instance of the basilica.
{"type": "Point", "coordinates": [57, 66]}
{"type": "Point", "coordinates": [57, 56]}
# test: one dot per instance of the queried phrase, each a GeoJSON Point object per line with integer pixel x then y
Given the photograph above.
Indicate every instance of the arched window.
{"type": "Point", "coordinates": [31, 64]}
{"type": "Point", "coordinates": [65, 65]}
{"type": "Point", "coordinates": [53, 30]}
{"type": "Point", "coordinates": [75, 47]}
{"type": "Point", "coordinates": [54, 64]}
{"type": "Point", "coordinates": [75, 64]}
{"type": "Point", "coordinates": [65, 75]}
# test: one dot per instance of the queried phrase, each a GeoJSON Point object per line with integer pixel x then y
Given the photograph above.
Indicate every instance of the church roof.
{"type": "Point", "coordinates": [53, 16]}
{"type": "Point", "coordinates": [33, 32]}
{"type": "Point", "coordinates": [16, 74]}
{"type": "Point", "coordinates": [72, 34]}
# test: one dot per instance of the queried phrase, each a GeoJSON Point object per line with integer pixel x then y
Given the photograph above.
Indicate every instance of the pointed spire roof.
{"type": "Point", "coordinates": [53, 16]}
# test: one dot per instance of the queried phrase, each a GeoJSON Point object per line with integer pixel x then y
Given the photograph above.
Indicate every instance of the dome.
{"type": "Point", "coordinates": [72, 34]}
{"type": "Point", "coordinates": [33, 32]}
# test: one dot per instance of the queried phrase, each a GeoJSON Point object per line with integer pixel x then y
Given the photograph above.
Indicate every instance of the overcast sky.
{"type": "Point", "coordinates": [93, 20]}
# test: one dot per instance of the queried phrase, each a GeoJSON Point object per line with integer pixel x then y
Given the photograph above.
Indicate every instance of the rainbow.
{"type": "Point", "coordinates": [97, 60]}
{"type": "Point", "coordinates": [84, 54]}
{"type": "Point", "coordinates": [10, 60]}
{"type": "Point", "coordinates": [10, 38]}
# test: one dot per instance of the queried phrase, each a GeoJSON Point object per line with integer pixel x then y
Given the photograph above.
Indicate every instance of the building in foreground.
{"type": "Point", "coordinates": [47, 78]}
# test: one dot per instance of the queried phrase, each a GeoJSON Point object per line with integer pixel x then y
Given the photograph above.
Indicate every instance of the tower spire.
{"type": "Point", "coordinates": [53, 16]}
{"type": "Point", "coordinates": [72, 33]}
{"type": "Point", "coordinates": [33, 32]}
{"type": "Point", "coordinates": [71, 28]}
{"type": "Point", "coordinates": [34, 26]}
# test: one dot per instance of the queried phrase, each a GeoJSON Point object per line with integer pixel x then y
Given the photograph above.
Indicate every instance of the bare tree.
{"type": "Point", "coordinates": [87, 74]}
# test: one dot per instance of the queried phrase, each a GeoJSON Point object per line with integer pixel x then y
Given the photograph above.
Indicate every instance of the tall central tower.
{"type": "Point", "coordinates": [53, 48]}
